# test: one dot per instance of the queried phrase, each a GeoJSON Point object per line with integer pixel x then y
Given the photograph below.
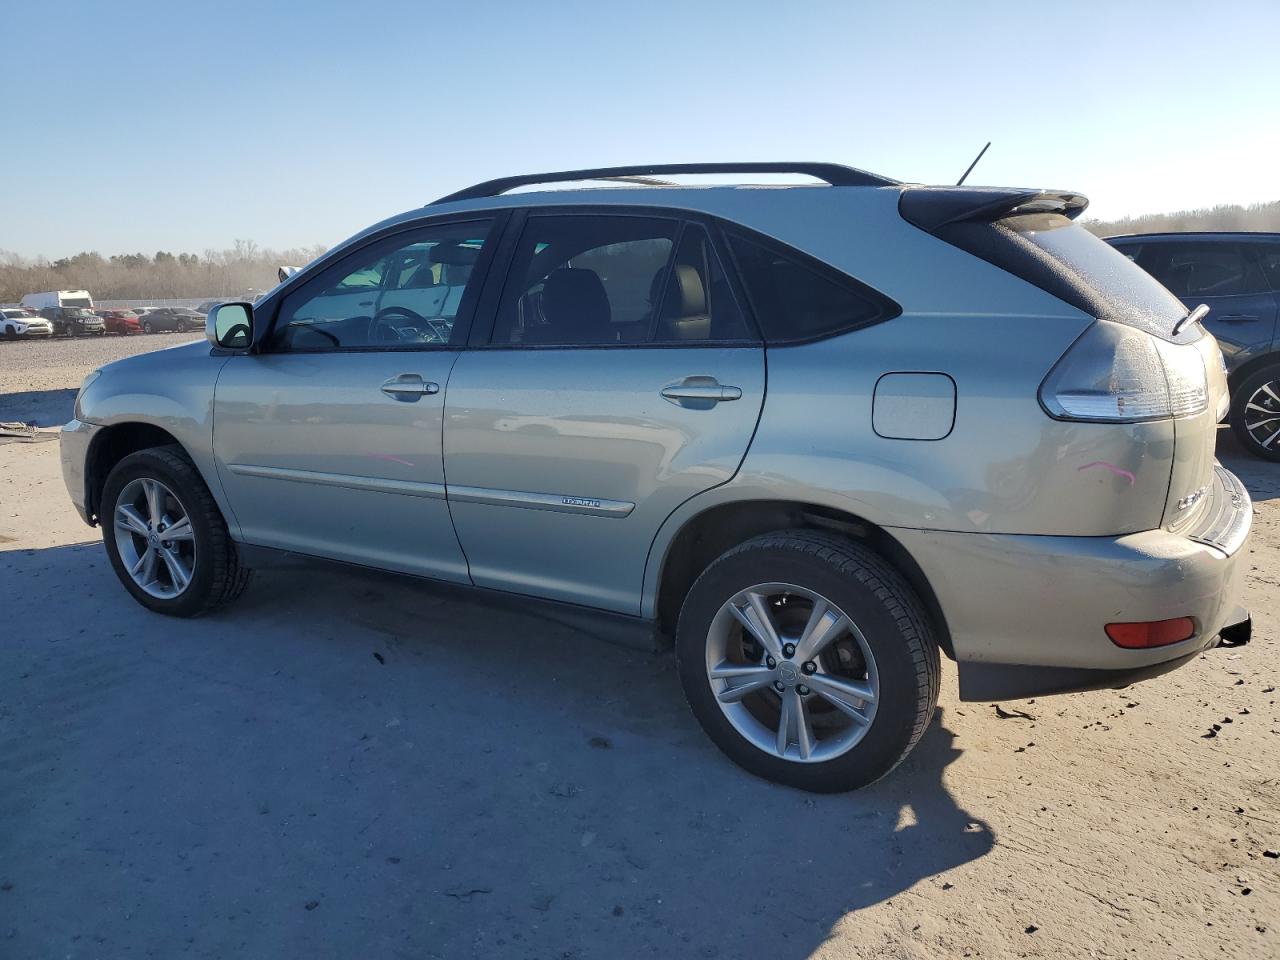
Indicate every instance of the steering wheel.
{"type": "Point", "coordinates": [388, 324]}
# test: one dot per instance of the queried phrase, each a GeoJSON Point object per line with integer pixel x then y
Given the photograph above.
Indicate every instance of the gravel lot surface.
{"type": "Point", "coordinates": [350, 764]}
{"type": "Point", "coordinates": [35, 375]}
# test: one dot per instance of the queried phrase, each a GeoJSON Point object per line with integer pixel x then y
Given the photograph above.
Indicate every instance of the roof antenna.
{"type": "Point", "coordinates": [960, 182]}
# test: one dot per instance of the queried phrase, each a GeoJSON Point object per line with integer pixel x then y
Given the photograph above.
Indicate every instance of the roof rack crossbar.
{"type": "Point", "coordinates": [834, 174]}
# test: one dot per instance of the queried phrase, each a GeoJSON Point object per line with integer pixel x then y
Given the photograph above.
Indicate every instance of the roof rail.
{"type": "Point", "coordinates": [835, 174]}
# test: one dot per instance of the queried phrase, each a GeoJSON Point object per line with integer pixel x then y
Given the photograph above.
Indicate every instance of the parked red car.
{"type": "Point", "coordinates": [121, 321]}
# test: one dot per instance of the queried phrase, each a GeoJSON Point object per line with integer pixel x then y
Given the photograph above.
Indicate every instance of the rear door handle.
{"type": "Point", "coordinates": [700, 393]}
{"type": "Point", "coordinates": [409, 387]}
{"type": "Point", "coordinates": [1237, 317]}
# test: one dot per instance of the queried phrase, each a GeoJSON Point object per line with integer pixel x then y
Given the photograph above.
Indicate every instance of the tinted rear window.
{"type": "Point", "coordinates": [1066, 260]}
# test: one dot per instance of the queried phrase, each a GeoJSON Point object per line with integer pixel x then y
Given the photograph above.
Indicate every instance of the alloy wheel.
{"type": "Point", "coordinates": [1262, 415]}
{"type": "Point", "coordinates": [154, 538]}
{"type": "Point", "coordinates": [792, 672]}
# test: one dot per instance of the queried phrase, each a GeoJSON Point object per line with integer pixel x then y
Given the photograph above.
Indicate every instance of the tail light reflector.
{"type": "Point", "coordinates": [1151, 633]}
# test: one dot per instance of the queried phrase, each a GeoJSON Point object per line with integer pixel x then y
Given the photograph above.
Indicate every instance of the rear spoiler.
{"type": "Point", "coordinates": [931, 208]}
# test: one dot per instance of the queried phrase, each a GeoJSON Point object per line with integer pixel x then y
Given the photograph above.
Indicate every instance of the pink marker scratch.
{"type": "Point", "coordinates": [1113, 468]}
{"type": "Point", "coordinates": [387, 456]}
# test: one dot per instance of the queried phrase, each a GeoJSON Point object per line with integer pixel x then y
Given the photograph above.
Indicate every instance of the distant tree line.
{"type": "Point", "coordinates": [1256, 216]}
{"type": "Point", "coordinates": [242, 269]}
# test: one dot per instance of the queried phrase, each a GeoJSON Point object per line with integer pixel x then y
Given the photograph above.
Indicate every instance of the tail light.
{"type": "Point", "coordinates": [1119, 374]}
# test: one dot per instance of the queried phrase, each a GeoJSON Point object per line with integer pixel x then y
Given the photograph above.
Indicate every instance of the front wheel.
{"type": "Point", "coordinates": [148, 327]}
{"type": "Point", "coordinates": [165, 536]}
{"type": "Point", "coordinates": [808, 660]}
{"type": "Point", "coordinates": [1255, 413]}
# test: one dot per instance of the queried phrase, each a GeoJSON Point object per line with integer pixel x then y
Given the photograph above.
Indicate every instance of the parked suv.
{"type": "Point", "coordinates": [16, 322]}
{"type": "Point", "coordinates": [986, 435]}
{"type": "Point", "coordinates": [74, 321]}
{"type": "Point", "coordinates": [1237, 275]}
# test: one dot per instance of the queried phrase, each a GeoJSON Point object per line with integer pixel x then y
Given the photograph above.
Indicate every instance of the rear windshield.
{"type": "Point", "coordinates": [1068, 261]}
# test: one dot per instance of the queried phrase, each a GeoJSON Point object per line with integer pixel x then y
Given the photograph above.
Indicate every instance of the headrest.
{"type": "Point", "coordinates": [686, 297]}
{"type": "Point", "coordinates": [574, 299]}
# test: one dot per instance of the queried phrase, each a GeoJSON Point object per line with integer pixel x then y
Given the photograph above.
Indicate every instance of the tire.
{"type": "Point", "coordinates": [216, 575]}
{"type": "Point", "coordinates": [11, 333]}
{"type": "Point", "coordinates": [1260, 390]}
{"type": "Point", "coordinates": [902, 669]}
{"type": "Point", "coordinates": [147, 327]}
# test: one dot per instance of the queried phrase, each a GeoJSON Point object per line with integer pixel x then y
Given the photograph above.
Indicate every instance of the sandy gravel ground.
{"type": "Point", "coordinates": [348, 764]}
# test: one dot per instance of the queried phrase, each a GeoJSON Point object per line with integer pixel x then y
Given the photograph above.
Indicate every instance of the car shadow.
{"type": "Point", "coordinates": [44, 408]}
{"type": "Point", "coordinates": [353, 763]}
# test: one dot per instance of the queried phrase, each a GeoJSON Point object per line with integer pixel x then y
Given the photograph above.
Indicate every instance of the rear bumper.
{"type": "Point", "coordinates": [1027, 614]}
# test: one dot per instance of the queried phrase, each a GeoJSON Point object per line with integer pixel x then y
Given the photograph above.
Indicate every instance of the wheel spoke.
{"type": "Point", "coordinates": [732, 671]}
{"type": "Point", "coordinates": [179, 531]}
{"type": "Point", "coordinates": [154, 501]}
{"type": "Point", "coordinates": [149, 565]}
{"type": "Point", "coordinates": [758, 623]}
{"type": "Point", "coordinates": [732, 694]}
{"type": "Point", "coordinates": [824, 626]}
{"type": "Point", "coordinates": [128, 518]}
{"type": "Point", "coordinates": [1270, 392]}
{"type": "Point", "coordinates": [178, 572]}
{"type": "Point", "coordinates": [850, 696]}
{"type": "Point", "coordinates": [1270, 440]}
{"type": "Point", "coordinates": [793, 724]}
{"type": "Point", "coordinates": [143, 559]}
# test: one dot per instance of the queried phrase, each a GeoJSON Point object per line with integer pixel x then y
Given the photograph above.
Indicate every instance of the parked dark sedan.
{"type": "Point", "coordinates": [1237, 275]}
{"type": "Point", "coordinates": [171, 318]}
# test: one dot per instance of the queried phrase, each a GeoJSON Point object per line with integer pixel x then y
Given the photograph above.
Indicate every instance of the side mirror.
{"type": "Point", "coordinates": [229, 326]}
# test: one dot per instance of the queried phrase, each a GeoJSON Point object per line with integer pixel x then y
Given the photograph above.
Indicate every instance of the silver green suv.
{"type": "Point", "coordinates": [819, 434]}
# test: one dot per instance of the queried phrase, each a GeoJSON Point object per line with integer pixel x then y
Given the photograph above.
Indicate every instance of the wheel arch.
{"type": "Point", "coordinates": [709, 533]}
{"type": "Point", "coordinates": [1247, 369]}
{"type": "Point", "coordinates": [112, 444]}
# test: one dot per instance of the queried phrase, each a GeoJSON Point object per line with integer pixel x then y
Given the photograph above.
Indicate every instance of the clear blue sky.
{"type": "Point", "coordinates": [182, 125]}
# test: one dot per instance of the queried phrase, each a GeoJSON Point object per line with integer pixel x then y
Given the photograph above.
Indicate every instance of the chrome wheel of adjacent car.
{"type": "Point", "coordinates": [792, 672]}
{"type": "Point", "coordinates": [154, 538]}
{"type": "Point", "coordinates": [1262, 415]}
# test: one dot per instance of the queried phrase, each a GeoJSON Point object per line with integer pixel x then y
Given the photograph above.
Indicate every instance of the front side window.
{"type": "Point", "coordinates": [793, 300]}
{"type": "Point", "coordinates": [401, 292]}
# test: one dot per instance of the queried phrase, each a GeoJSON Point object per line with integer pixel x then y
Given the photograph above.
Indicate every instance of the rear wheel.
{"type": "Point", "coordinates": [1255, 413]}
{"type": "Point", "coordinates": [165, 536]}
{"type": "Point", "coordinates": [808, 660]}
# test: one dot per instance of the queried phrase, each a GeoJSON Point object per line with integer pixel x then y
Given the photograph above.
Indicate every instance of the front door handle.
{"type": "Point", "coordinates": [700, 393]}
{"type": "Point", "coordinates": [409, 387]}
{"type": "Point", "coordinates": [1237, 317]}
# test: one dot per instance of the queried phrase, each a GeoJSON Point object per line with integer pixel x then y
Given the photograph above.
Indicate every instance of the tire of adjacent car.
{"type": "Point", "coordinates": [872, 593]}
{"type": "Point", "coordinates": [218, 576]}
{"type": "Point", "coordinates": [1240, 397]}
{"type": "Point", "coordinates": [147, 327]}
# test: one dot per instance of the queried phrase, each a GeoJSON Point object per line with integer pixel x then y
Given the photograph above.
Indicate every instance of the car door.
{"type": "Point", "coordinates": [1227, 275]}
{"type": "Point", "coordinates": [328, 440]}
{"type": "Point", "coordinates": [620, 379]}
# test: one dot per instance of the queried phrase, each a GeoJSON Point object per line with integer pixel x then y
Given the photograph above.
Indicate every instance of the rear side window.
{"type": "Point", "coordinates": [795, 300]}
{"type": "Point", "coordinates": [1192, 270]}
{"type": "Point", "coordinates": [1270, 255]}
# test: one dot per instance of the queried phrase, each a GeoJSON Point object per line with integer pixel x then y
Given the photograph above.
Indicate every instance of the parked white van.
{"type": "Point", "coordinates": [58, 298]}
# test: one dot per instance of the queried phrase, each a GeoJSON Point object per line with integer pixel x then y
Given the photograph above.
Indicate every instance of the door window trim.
{"type": "Point", "coordinates": [327, 268]}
